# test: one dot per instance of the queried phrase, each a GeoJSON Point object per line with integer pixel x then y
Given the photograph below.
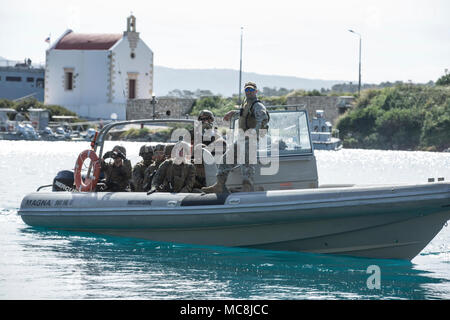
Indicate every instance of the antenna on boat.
{"type": "Point", "coordinates": [240, 69]}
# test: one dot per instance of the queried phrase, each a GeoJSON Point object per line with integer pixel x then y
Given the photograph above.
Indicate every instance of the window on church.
{"type": "Point", "coordinates": [69, 80]}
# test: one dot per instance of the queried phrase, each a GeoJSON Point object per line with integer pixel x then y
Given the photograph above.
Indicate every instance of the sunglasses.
{"type": "Point", "coordinates": [249, 90]}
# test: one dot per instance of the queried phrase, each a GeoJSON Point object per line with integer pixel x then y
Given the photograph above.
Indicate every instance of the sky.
{"type": "Point", "coordinates": [401, 40]}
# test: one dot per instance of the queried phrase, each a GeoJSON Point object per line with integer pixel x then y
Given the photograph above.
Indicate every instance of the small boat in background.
{"type": "Point", "coordinates": [322, 133]}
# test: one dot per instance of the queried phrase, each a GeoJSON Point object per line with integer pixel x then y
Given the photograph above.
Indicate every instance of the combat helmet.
{"type": "Point", "coordinates": [146, 150]}
{"type": "Point", "coordinates": [168, 150]}
{"type": "Point", "coordinates": [205, 114]}
{"type": "Point", "coordinates": [121, 149]}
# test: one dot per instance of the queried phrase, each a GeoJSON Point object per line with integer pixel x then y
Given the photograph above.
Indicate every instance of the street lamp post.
{"type": "Point", "coordinates": [359, 82]}
{"type": "Point", "coordinates": [153, 103]}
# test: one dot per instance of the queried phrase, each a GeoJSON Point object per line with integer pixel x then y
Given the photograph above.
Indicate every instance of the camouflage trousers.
{"type": "Point", "coordinates": [246, 166]}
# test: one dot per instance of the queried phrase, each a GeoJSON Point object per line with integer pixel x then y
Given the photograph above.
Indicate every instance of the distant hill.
{"type": "Point", "coordinates": [226, 81]}
{"type": "Point", "coordinates": [221, 81]}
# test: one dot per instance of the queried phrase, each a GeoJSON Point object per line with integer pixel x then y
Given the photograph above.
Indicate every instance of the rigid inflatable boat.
{"type": "Point", "coordinates": [287, 212]}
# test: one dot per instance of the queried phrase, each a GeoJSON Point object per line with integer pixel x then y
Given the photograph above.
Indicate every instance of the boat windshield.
{"type": "Point", "coordinates": [287, 128]}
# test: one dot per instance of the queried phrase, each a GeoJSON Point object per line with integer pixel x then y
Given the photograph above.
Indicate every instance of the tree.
{"type": "Point", "coordinates": [444, 80]}
{"type": "Point", "coordinates": [175, 93]}
{"type": "Point", "coordinates": [24, 105]}
{"type": "Point", "coordinates": [217, 105]}
{"type": "Point", "coordinates": [5, 103]}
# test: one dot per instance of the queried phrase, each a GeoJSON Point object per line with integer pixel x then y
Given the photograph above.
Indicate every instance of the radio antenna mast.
{"type": "Point", "coordinates": [240, 70]}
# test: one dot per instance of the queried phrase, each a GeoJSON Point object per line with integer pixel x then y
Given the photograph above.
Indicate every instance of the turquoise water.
{"type": "Point", "coordinates": [44, 264]}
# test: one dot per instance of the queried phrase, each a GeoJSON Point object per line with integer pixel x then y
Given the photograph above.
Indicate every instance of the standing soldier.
{"type": "Point", "coordinates": [252, 115]}
{"type": "Point", "coordinates": [146, 152]}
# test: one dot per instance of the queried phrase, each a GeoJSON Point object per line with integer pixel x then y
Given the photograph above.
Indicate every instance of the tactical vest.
{"type": "Point", "coordinates": [176, 175]}
{"type": "Point", "coordinates": [247, 118]}
{"type": "Point", "coordinates": [149, 174]}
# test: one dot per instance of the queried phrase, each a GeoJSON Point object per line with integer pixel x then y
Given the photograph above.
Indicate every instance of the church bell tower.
{"type": "Point", "coordinates": [131, 23]}
{"type": "Point", "coordinates": [131, 34]}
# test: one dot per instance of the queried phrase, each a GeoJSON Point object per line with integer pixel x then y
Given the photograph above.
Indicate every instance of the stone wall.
{"type": "Point", "coordinates": [165, 108]}
{"type": "Point", "coordinates": [179, 108]}
{"type": "Point", "coordinates": [332, 106]}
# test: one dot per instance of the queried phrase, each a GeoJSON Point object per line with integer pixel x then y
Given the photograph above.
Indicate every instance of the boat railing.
{"type": "Point", "coordinates": [107, 128]}
{"type": "Point", "coordinates": [46, 186]}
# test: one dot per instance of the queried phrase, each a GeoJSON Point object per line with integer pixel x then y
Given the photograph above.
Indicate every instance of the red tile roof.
{"type": "Point", "coordinates": [91, 41]}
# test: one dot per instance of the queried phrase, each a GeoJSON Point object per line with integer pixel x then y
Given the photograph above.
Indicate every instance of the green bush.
{"type": "Point", "coordinates": [302, 93]}
{"type": "Point", "coordinates": [6, 104]}
{"type": "Point", "coordinates": [24, 105]}
{"type": "Point", "coordinates": [146, 134]}
{"type": "Point", "coordinates": [436, 128]}
{"type": "Point", "coordinates": [56, 110]}
{"type": "Point", "coordinates": [400, 128]}
{"type": "Point", "coordinates": [274, 100]}
{"type": "Point", "coordinates": [444, 80]}
{"type": "Point", "coordinates": [218, 105]}
{"type": "Point", "coordinates": [405, 117]}
{"type": "Point", "coordinates": [134, 133]}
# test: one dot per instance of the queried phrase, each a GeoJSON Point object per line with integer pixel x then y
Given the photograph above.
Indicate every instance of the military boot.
{"type": "Point", "coordinates": [218, 187]}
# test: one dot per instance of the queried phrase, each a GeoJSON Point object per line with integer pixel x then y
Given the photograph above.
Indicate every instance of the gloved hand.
{"type": "Point", "coordinates": [152, 190]}
{"type": "Point", "coordinates": [107, 155]}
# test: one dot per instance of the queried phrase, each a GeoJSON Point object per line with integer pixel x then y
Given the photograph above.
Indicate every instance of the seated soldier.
{"type": "Point", "coordinates": [176, 174]}
{"type": "Point", "coordinates": [146, 152]}
{"type": "Point", "coordinates": [158, 158]}
{"type": "Point", "coordinates": [210, 134]}
{"type": "Point", "coordinates": [206, 118]}
{"type": "Point", "coordinates": [168, 151]}
{"type": "Point", "coordinates": [118, 173]}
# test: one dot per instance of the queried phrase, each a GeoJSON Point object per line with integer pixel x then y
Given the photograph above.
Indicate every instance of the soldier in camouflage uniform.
{"type": "Point", "coordinates": [158, 158]}
{"type": "Point", "coordinates": [146, 152]}
{"type": "Point", "coordinates": [206, 117]}
{"type": "Point", "coordinates": [210, 135]}
{"type": "Point", "coordinates": [252, 115]}
{"type": "Point", "coordinates": [168, 151]}
{"type": "Point", "coordinates": [176, 174]}
{"type": "Point", "coordinates": [117, 173]}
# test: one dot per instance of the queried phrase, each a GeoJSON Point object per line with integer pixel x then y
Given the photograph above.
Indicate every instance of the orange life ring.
{"type": "Point", "coordinates": [87, 184]}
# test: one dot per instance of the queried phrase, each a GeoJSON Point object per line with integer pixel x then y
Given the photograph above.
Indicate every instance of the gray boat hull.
{"type": "Point", "coordinates": [390, 222]}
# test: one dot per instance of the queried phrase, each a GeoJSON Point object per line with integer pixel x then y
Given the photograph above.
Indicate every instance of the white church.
{"type": "Point", "coordinates": [94, 75]}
